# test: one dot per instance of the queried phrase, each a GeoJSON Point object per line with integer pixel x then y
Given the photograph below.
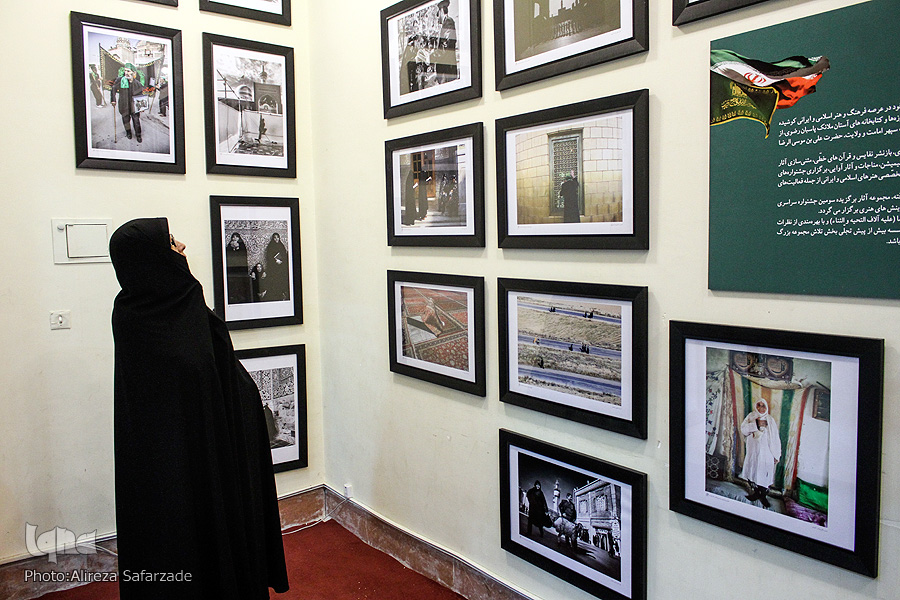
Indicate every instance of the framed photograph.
{"type": "Point", "coordinates": [435, 188]}
{"type": "Point", "coordinates": [270, 11]}
{"type": "Point", "coordinates": [436, 329]}
{"type": "Point", "coordinates": [256, 261]}
{"type": "Point", "coordinates": [579, 518]}
{"type": "Point", "coordinates": [280, 375]}
{"type": "Point", "coordinates": [777, 435]}
{"type": "Point", "coordinates": [576, 176]}
{"type": "Point", "coordinates": [576, 351]}
{"type": "Point", "coordinates": [129, 95]}
{"type": "Point", "coordinates": [249, 100]}
{"type": "Point", "coordinates": [430, 54]}
{"type": "Point", "coordinates": [537, 40]}
{"type": "Point", "coordinates": [685, 11]}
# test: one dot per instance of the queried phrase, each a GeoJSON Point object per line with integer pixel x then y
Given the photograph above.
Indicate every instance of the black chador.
{"type": "Point", "coordinates": [195, 490]}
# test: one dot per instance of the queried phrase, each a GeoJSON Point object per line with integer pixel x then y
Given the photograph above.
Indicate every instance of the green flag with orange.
{"type": "Point", "coordinates": [746, 88]}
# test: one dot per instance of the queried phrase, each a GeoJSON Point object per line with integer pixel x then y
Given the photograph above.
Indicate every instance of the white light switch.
{"type": "Point", "coordinates": [80, 240]}
{"type": "Point", "coordinates": [61, 319]}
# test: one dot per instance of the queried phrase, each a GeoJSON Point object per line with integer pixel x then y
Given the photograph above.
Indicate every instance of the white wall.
{"type": "Point", "coordinates": [56, 458]}
{"type": "Point", "coordinates": [425, 456]}
{"type": "Point", "coordinates": [421, 455]}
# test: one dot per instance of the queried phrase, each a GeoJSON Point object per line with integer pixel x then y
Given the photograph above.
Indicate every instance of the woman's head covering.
{"type": "Point", "coordinates": [764, 403]}
{"type": "Point", "coordinates": [145, 264]}
{"type": "Point", "coordinates": [192, 452]}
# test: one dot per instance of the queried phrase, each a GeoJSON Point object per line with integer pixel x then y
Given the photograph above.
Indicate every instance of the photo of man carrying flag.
{"type": "Point", "coordinates": [746, 88]}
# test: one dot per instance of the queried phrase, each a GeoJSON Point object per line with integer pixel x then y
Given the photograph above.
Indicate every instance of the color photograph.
{"type": "Point", "coordinates": [573, 173]}
{"type": "Point", "coordinates": [569, 345]}
{"type": "Point", "coordinates": [539, 39]}
{"type": "Point", "coordinates": [575, 516]}
{"type": "Point", "coordinates": [768, 431]}
{"type": "Point", "coordinates": [436, 328]}
{"type": "Point", "coordinates": [579, 181]}
{"type": "Point", "coordinates": [129, 113]}
{"type": "Point", "coordinates": [774, 435]}
{"type": "Point", "coordinates": [576, 351]}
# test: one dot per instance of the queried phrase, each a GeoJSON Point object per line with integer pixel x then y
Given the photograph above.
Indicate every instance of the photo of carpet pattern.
{"type": "Point", "coordinates": [436, 326]}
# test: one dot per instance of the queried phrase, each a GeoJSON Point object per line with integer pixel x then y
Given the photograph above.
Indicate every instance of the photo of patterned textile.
{"type": "Point", "coordinates": [436, 329]}
{"type": "Point", "coordinates": [435, 326]}
{"type": "Point", "coordinates": [764, 444]}
{"type": "Point", "coordinates": [776, 435]}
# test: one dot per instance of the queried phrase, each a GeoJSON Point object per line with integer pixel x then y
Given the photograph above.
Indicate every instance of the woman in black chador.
{"type": "Point", "coordinates": [277, 273]}
{"type": "Point", "coordinates": [195, 490]}
{"type": "Point", "coordinates": [238, 277]}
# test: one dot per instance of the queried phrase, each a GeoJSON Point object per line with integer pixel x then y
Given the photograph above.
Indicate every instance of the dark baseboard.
{"type": "Point", "coordinates": [301, 508]}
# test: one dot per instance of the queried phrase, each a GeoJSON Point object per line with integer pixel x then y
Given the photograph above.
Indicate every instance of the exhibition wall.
{"type": "Point", "coordinates": [422, 456]}
{"type": "Point", "coordinates": [56, 408]}
{"type": "Point", "coordinates": [426, 457]}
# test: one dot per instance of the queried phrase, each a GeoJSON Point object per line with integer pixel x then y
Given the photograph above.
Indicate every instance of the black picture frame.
{"type": "Point", "coordinates": [243, 116]}
{"type": "Point", "coordinates": [280, 375]}
{"type": "Point", "coordinates": [452, 71]}
{"type": "Point", "coordinates": [439, 317]}
{"type": "Point", "coordinates": [519, 58]}
{"type": "Point", "coordinates": [563, 376]}
{"type": "Point", "coordinates": [821, 504]}
{"type": "Point", "coordinates": [687, 11]}
{"type": "Point", "coordinates": [455, 216]}
{"type": "Point", "coordinates": [101, 140]}
{"type": "Point", "coordinates": [252, 286]}
{"type": "Point", "coordinates": [610, 506]}
{"type": "Point", "coordinates": [163, 2]}
{"type": "Point", "coordinates": [612, 198]}
{"type": "Point", "coordinates": [224, 7]}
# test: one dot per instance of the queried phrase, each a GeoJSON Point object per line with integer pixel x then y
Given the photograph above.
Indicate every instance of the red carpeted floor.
{"type": "Point", "coordinates": [325, 562]}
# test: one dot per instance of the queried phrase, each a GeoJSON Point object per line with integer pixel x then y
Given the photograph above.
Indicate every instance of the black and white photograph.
{"type": "Point", "coordinates": [580, 518]}
{"type": "Point", "coordinates": [436, 329]}
{"type": "Point", "coordinates": [687, 11]}
{"type": "Point", "coordinates": [280, 375]}
{"type": "Point", "coordinates": [249, 98]}
{"type": "Point", "coordinates": [575, 176]}
{"type": "Point", "coordinates": [129, 112]}
{"type": "Point", "coordinates": [435, 188]}
{"type": "Point", "coordinates": [430, 53]}
{"type": "Point", "coordinates": [256, 251]}
{"type": "Point", "coordinates": [536, 39]}
{"type": "Point", "coordinates": [575, 350]}
{"type": "Point", "coordinates": [771, 440]}
{"type": "Point", "coordinates": [269, 11]}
